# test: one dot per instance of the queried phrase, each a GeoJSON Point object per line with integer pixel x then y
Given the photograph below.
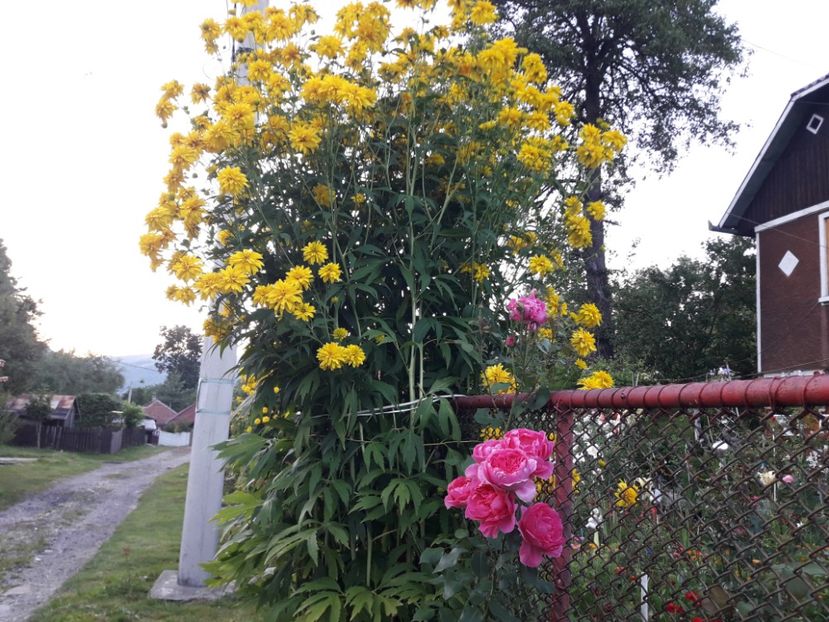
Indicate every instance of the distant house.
{"type": "Point", "coordinates": [186, 417]}
{"type": "Point", "coordinates": [160, 412]}
{"type": "Point", "coordinates": [784, 204]}
{"type": "Point", "coordinates": [65, 412]}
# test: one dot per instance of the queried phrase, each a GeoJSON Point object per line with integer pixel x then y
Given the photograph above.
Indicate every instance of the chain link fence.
{"type": "Point", "coordinates": [694, 503]}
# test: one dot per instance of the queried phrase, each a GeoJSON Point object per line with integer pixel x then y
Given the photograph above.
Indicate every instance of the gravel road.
{"type": "Point", "coordinates": [51, 535]}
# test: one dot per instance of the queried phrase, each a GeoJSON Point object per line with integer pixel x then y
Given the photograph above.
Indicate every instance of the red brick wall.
{"type": "Point", "coordinates": [794, 326]}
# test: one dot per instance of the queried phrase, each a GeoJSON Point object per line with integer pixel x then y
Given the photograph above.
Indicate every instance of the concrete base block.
{"type": "Point", "coordinates": [167, 587]}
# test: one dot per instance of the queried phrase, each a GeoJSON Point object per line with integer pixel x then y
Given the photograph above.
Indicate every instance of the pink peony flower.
{"type": "Point", "coordinates": [510, 469]}
{"type": "Point", "coordinates": [530, 310]}
{"type": "Point", "coordinates": [536, 445]}
{"type": "Point", "coordinates": [542, 534]}
{"type": "Point", "coordinates": [492, 508]}
{"type": "Point", "coordinates": [510, 341]}
{"type": "Point", "coordinates": [787, 479]}
{"type": "Point", "coordinates": [458, 491]}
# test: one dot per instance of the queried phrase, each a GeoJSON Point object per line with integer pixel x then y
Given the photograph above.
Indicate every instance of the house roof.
{"type": "Point", "coordinates": [61, 405]}
{"type": "Point", "coordinates": [792, 118]}
{"type": "Point", "coordinates": [186, 416]}
{"type": "Point", "coordinates": [159, 411]}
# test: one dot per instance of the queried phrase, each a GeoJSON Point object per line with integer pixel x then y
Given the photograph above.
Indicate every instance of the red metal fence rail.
{"type": "Point", "coordinates": [695, 502]}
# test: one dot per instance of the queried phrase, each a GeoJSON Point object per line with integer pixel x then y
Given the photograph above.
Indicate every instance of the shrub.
{"type": "Point", "coordinates": [99, 410]}
{"type": "Point", "coordinates": [371, 200]}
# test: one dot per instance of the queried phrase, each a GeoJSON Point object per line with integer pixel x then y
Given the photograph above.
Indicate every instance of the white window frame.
{"type": "Point", "coordinates": [824, 258]}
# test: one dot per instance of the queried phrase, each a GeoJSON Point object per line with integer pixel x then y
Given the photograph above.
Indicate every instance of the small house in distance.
{"type": "Point", "coordinates": [160, 412]}
{"type": "Point", "coordinates": [784, 204]}
{"type": "Point", "coordinates": [65, 412]}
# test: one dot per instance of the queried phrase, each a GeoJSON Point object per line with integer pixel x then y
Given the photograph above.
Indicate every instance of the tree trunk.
{"type": "Point", "coordinates": [598, 278]}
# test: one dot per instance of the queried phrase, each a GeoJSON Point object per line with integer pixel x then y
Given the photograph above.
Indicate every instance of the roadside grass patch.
{"type": "Point", "coordinates": [114, 585]}
{"type": "Point", "coordinates": [18, 481]}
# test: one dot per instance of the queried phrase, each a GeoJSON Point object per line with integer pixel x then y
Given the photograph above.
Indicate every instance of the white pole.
{"type": "Point", "coordinates": [205, 482]}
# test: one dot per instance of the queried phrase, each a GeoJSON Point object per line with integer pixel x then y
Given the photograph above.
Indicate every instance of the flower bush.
{"type": "Point", "coordinates": [358, 209]}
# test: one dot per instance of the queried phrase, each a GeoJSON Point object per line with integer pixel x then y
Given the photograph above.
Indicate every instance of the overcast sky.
{"type": "Point", "coordinates": [82, 154]}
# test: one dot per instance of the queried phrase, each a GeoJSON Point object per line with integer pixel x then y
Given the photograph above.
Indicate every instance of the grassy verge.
{"type": "Point", "coordinates": [114, 585]}
{"type": "Point", "coordinates": [19, 480]}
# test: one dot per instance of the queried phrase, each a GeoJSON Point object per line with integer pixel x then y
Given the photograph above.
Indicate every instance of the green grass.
{"type": "Point", "coordinates": [114, 585]}
{"type": "Point", "coordinates": [20, 480]}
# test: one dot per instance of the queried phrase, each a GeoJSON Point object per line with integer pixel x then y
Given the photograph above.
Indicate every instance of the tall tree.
{"type": "Point", "coordinates": [693, 317]}
{"type": "Point", "coordinates": [65, 372]}
{"type": "Point", "coordinates": [19, 344]}
{"type": "Point", "coordinates": [179, 353]}
{"type": "Point", "coordinates": [656, 70]}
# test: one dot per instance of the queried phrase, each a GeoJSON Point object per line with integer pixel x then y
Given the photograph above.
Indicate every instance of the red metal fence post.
{"type": "Point", "coordinates": [560, 603]}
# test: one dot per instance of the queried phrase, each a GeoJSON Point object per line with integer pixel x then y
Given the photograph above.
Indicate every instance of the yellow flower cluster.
{"type": "Point", "coordinates": [626, 495]}
{"type": "Point", "coordinates": [333, 356]}
{"type": "Point", "coordinates": [495, 375]}
{"type": "Point", "coordinates": [597, 380]}
{"type": "Point", "coordinates": [598, 147]}
{"type": "Point", "coordinates": [517, 243]}
{"type": "Point", "coordinates": [576, 224]}
{"type": "Point", "coordinates": [541, 265]}
{"type": "Point", "coordinates": [491, 433]}
{"type": "Point", "coordinates": [480, 272]}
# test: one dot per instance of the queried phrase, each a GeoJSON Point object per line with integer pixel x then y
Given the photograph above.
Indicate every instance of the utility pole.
{"type": "Point", "coordinates": [205, 481]}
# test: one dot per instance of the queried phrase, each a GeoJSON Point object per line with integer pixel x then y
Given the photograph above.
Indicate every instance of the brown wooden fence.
{"type": "Point", "coordinates": [93, 440]}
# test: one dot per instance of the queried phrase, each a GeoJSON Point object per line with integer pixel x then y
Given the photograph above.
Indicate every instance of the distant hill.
{"type": "Point", "coordinates": [139, 370]}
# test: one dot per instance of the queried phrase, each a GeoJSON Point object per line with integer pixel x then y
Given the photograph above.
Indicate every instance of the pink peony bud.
{"type": "Point", "coordinates": [492, 508]}
{"type": "Point", "coordinates": [510, 341]}
{"type": "Point", "coordinates": [787, 479]}
{"type": "Point", "coordinates": [542, 534]}
{"type": "Point", "coordinates": [458, 491]}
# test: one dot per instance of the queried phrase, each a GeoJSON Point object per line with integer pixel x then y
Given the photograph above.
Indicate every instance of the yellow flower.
{"type": "Point", "coordinates": [578, 232]}
{"type": "Point", "coordinates": [339, 334]}
{"type": "Point", "coordinates": [246, 260]}
{"type": "Point", "coordinates": [186, 267]}
{"type": "Point", "coordinates": [541, 265]}
{"type": "Point", "coordinates": [302, 275]}
{"type": "Point", "coordinates": [199, 93]}
{"type": "Point", "coordinates": [546, 333]}
{"type": "Point", "coordinates": [265, 410]}
{"type": "Point", "coordinates": [581, 363]}
{"type": "Point", "coordinates": [583, 342]}
{"type": "Point", "coordinates": [596, 209]}
{"type": "Point", "coordinates": [314, 253]}
{"type": "Point", "coordinates": [248, 429]}
{"type": "Point", "coordinates": [626, 495]}
{"type": "Point", "coordinates": [303, 311]}
{"type": "Point", "coordinates": [232, 280]}
{"type": "Point", "coordinates": [323, 195]}
{"type": "Point", "coordinates": [266, 419]}
{"type": "Point", "coordinates": [331, 356]}
{"type": "Point", "coordinates": [480, 272]}
{"type": "Point", "coordinates": [354, 355]}
{"type": "Point", "coordinates": [304, 137]}
{"type": "Point", "coordinates": [276, 390]}
{"type": "Point", "coordinates": [284, 295]}
{"type": "Point", "coordinates": [597, 380]}
{"type": "Point", "coordinates": [534, 68]}
{"type": "Point", "coordinates": [588, 315]}
{"type": "Point", "coordinates": [232, 180]}
{"type": "Point", "coordinates": [330, 273]}
{"type": "Point", "coordinates": [328, 46]}
{"type": "Point", "coordinates": [257, 421]}
{"type": "Point", "coordinates": [496, 374]}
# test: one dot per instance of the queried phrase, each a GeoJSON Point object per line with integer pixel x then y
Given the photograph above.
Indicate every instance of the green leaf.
{"type": "Point", "coordinates": [450, 559]}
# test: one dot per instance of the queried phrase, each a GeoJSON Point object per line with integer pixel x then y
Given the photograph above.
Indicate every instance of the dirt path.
{"type": "Point", "coordinates": [47, 538]}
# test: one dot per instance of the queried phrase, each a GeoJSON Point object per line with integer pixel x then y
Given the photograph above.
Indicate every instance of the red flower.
{"type": "Point", "coordinates": [674, 608]}
{"type": "Point", "coordinates": [692, 596]}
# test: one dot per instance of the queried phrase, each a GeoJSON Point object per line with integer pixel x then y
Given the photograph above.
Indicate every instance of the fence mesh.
{"type": "Point", "coordinates": [689, 513]}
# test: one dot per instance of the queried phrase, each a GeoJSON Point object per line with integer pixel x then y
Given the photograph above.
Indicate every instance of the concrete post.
{"type": "Point", "coordinates": [214, 400]}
